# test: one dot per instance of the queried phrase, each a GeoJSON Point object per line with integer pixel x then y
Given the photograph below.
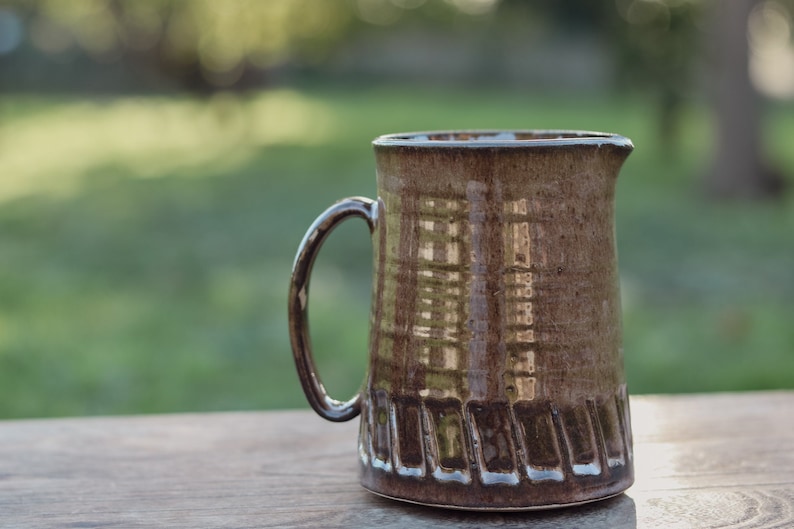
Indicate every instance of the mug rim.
{"type": "Point", "coordinates": [510, 138]}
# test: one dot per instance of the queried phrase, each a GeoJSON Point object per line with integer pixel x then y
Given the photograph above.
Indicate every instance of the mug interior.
{"type": "Point", "coordinates": [472, 138]}
{"type": "Point", "coordinates": [498, 136]}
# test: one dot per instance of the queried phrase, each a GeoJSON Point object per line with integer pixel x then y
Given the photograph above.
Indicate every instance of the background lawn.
{"type": "Point", "coordinates": [146, 245]}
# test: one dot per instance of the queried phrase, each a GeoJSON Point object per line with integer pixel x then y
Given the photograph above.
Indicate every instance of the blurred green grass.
{"type": "Point", "coordinates": [146, 244]}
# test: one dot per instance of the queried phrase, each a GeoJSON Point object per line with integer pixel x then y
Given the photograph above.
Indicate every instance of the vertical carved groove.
{"type": "Point", "coordinates": [542, 459]}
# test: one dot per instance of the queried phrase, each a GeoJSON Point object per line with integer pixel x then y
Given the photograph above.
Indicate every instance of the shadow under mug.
{"type": "Point", "coordinates": [495, 377]}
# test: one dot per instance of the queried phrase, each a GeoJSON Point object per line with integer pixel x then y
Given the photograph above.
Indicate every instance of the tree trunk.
{"type": "Point", "coordinates": [739, 170]}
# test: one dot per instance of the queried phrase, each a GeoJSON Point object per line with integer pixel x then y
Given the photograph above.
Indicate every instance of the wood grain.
{"type": "Point", "coordinates": [718, 460]}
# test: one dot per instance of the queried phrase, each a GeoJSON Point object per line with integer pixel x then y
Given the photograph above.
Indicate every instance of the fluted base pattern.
{"type": "Point", "coordinates": [496, 456]}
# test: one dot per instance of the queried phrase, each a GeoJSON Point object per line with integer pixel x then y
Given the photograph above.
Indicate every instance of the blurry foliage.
{"type": "Point", "coordinates": [656, 45]}
{"type": "Point", "coordinates": [206, 43]}
{"type": "Point", "coordinates": [658, 51]}
{"type": "Point", "coordinates": [203, 42]}
{"type": "Point", "coordinates": [659, 42]}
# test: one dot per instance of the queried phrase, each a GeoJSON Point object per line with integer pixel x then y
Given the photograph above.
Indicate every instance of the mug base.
{"type": "Point", "coordinates": [475, 496]}
{"type": "Point", "coordinates": [495, 509]}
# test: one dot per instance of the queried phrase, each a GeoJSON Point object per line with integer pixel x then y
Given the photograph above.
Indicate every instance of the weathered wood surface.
{"type": "Point", "coordinates": [721, 460]}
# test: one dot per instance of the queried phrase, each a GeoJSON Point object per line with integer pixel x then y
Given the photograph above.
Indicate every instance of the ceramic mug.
{"type": "Point", "coordinates": [495, 377]}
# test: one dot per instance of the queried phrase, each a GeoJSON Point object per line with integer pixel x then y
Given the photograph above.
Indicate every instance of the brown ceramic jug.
{"type": "Point", "coordinates": [496, 375]}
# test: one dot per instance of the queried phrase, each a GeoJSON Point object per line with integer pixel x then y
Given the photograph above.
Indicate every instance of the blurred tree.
{"type": "Point", "coordinates": [658, 45]}
{"type": "Point", "coordinates": [204, 44]}
{"type": "Point", "coordinates": [655, 43]}
{"type": "Point", "coordinates": [209, 44]}
{"type": "Point", "coordinates": [739, 168]}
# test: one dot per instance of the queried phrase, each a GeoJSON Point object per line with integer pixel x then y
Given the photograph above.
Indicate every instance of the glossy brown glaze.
{"type": "Point", "coordinates": [496, 373]}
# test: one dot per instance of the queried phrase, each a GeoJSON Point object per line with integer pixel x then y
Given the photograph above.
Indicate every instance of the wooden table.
{"type": "Point", "coordinates": [713, 460]}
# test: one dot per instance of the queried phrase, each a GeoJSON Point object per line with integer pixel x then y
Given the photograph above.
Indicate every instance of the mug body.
{"type": "Point", "coordinates": [496, 374]}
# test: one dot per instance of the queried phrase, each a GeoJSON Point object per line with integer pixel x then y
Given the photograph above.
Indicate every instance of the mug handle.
{"type": "Point", "coordinates": [323, 404]}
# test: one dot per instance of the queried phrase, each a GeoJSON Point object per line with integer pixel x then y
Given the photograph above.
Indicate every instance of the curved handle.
{"type": "Point", "coordinates": [324, 405]}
